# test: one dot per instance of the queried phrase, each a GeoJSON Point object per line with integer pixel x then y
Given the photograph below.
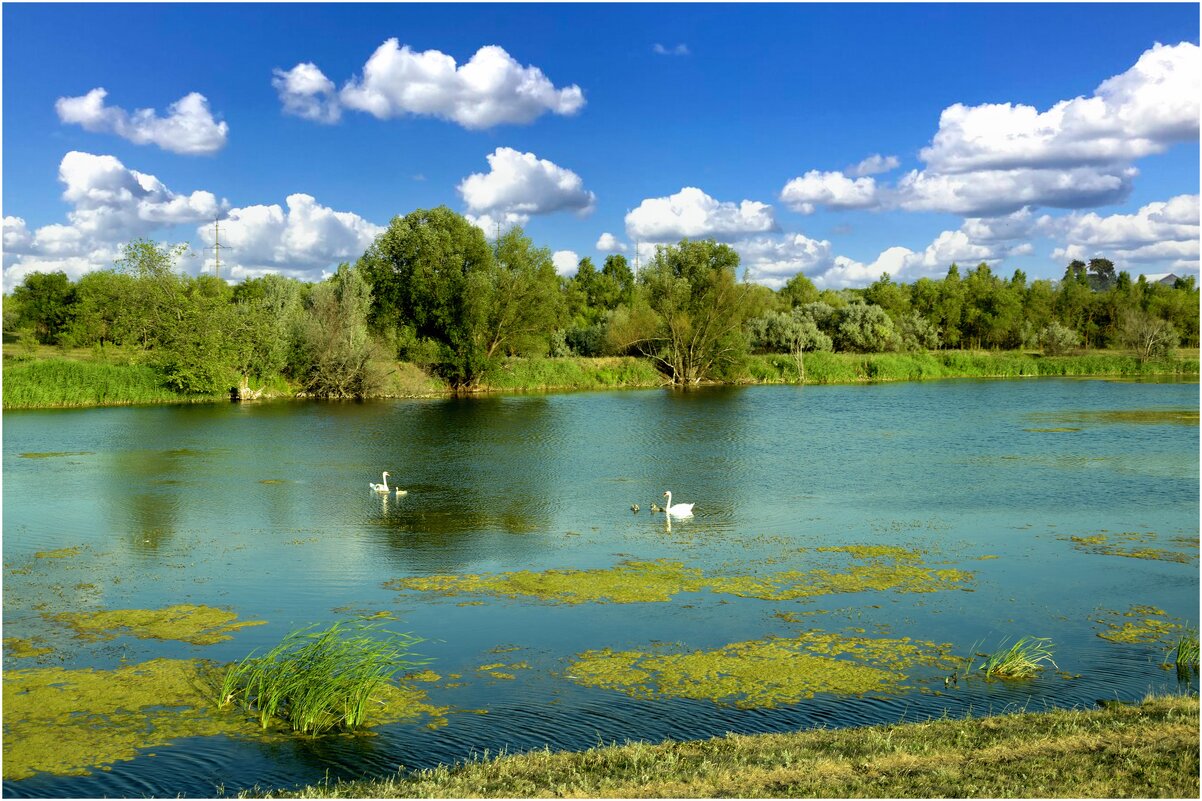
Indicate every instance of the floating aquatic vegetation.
{"type": "Point", "coordinates": [500, 670]}
{"type": "Point", "coordinates": [642, 582]}
{"type": "Point", "coordinates": [875, 552]}
{"type": "Point", "coordinates": [1058, 430]}
{"type": "Point", "coordinates": [61, 553]}
{"type": "Point", "coordinates": [1104, 544]}
{"type": "Point", "coordinates": [54, 454]}
{"type": "Point", "coordinates": [765, 673]}
{"type": "Point", "coordinates": [1185, 417]}
{"type": "Point", "coordinates": [21, 648]}
{"type": "Point", "coordinates": [199, 625]}
{"type": "Point", "coordinates": [1140, 624]}
{"type": "Point", "coordinates": [70, 721]}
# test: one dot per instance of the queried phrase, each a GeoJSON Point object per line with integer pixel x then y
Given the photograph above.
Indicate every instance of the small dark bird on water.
{"type": "Point", "coordinates": [634, 507]}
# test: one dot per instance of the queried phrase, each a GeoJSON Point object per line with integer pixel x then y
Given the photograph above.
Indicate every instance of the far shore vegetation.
{"type": "Point", "coordinates": [435, 308]}
{"type": "Point", "coordinates": [1143, 750]}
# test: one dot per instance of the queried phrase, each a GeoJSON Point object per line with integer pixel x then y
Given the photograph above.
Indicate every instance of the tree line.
{"type": "Point", "coordinates": [432, 290]}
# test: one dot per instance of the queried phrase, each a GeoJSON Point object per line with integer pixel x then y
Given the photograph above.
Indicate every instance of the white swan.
{"type": "Point", "coordinates": [680, 509]}
{"type": "Point", "coordinates": [380, 487]}
{"type": "Point", "coordinates": [400, 492]}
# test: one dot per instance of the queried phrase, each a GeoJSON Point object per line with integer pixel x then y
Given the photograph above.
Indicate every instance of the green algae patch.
{"type": "Point", "coordinates": [1182, 417]}
{"type": "Point", "coordinates": [198, 625]}
{"type": "Point", "coordinates": [61, 553]}
{"type": "Point", "coordinates": [888, 569]}
{"type": "Point", "coordinates": [1107, 545]}
{"type": "Point", "coordinates": [1057, 430]}
{"type": "Point", "coordinates": [68, 722]}
{"type": "Point", "coordinates": [1140, 624]}
{"type": "Point", "coordinates": [628, 582]}
{"type": "Point", "coordinates": [891, 553]}
{"type": "Point", "coordinates": [19, 648]}
{"type": "Point", "coordinates": [501, 670]}
{"type": "Point", "coordinates": [763, 674]}
{"type": "Point", "coordinates": [53, 454]}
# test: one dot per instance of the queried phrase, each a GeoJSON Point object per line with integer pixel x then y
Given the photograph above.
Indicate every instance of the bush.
{"type": "Point", "coordinates": [1056, 339]}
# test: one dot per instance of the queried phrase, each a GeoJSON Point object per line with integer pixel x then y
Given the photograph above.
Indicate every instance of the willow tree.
{"type": "Point", "coordinates": [688, 312]}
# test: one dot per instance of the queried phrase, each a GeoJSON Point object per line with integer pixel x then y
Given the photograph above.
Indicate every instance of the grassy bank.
{"type": "Point", "coordinates": [1146, 750]}
{"type": "Point", "coordinates": [68, 382]}
{"type": "Point", "coordinates": [518, 375]}
{"type": "Point", "coordinates": [850, 368]}
{"type": "Point", "coordinates": [84, 378]}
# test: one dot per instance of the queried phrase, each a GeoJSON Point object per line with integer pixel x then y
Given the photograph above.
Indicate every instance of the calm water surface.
{"type": "Point", "coordinates": [265, 509]}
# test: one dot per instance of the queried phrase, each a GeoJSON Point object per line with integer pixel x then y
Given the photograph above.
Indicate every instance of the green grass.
{"type": "Point", "coordinates": [1184, 656]}
{"type": "Point", "coordinates": [1022, 660]}
{"type": "Point", "coordinates": [571, 373]}
{"type": "Point", "coordinates": [1144, 750]}
{"type": "Point", "coordinates": [67, 382]}
{"type": "Point", "coordinates": [849, 368]}
{"type": "Point", "coordinates": [318, 681]}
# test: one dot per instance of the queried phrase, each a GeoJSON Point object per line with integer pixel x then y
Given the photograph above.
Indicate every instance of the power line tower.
{"type": "Point", "coordinates": [217, 247]}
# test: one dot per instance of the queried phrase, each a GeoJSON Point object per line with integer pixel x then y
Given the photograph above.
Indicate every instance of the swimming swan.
{"type": "Point", "coordinates": [680, 509]}
{"type": "Point", "coordinates": [380, 487]}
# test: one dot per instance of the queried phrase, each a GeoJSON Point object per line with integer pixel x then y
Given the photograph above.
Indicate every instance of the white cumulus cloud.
{"type": "Point", "coordinates": [520, 185]}
{"type": "Point", "coordinates": [303, 241]}
{"type": "Point", "coordinates": [1164, 231]}
{"type": "Point", "coordinates": [188, 127]}
{"type": "Point", "coordinates": [1134, 114]}
{"type": "Point", "coordinates": [565, 261]}
{"type": "Point", "coordinates": [491, 88]}
{"type": "Point", "coordinates": [694, 214]}
{"type": "Point", "coordinates": [874, 164]}
{"type": "Point", "coordinates": [608, 243]}
{"type": "Point", "coordinates": [306, 92]}
{"type": "Point", "coordinates": [833, 190]}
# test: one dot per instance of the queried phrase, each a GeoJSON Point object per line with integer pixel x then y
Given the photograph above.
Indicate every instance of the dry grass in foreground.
{"type": "Point", "coordinates": [1145, 750]}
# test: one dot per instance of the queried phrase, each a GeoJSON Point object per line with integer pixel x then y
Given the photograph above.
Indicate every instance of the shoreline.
{"type": "Point", "coordinates": [66, 383]}
{"type": "Point", "coordinates": [1148, 749]}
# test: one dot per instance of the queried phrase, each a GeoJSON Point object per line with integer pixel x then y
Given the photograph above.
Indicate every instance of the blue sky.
{"type": "Point", "coordinates": [1021, 135]}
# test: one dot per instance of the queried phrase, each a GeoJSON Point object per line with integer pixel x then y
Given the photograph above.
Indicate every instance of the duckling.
{"type": "Point", "coordinates": [655, 508]}
{"type": "Point", "coordinates": [634, 507]}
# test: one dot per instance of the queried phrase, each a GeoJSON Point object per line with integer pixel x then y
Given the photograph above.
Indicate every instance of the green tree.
{"type": "Point", "coordinates": [1101, 274]}
{"type": "Point", "coordinates": [793, 332]}
{"type": "Point", "coordinates": [45, 303]}
{"type": "Point", "coordinates": [694, 328]}
{"type": "Point", "coordinates": [798, 291]}
{"type": "Point", "coordinates": [266, 313]}
{"type": "Point", "coordinates": [431, 280]}
{"type": "Point", "coordinates": [891, 297]}
{"type": "Point", "coordinates": [524, 303]}
{"type": "Point", "coordinates": [950, 309]}
{"type": "Point", "coordinates": [865, 328]}
{"type": "Point", "coordinates": [335, 352]}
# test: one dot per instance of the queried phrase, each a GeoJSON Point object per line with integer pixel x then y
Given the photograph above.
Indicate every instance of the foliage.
{"type": "Point", "coordinates": [1184, 656]}
{"type": "Point", "coordinates": [43, 302]}
{"type": "Point", "coordinates": [431, 271]}
{"type": "Point", "coordinates": [524, 303]}
{"type": "Point", "coordinates": [1147, 335]}
{"type": "Point", "coordinates": [1022, 660]}
{"type": "Point", "coordinates": [688, 312]}
{"type": "Point", "coordinates": [319, 681]}
{"type": "Point", "coordinates": [863, 328]}
{"type": "Point", "coordinates": [335, 354]}
{"type": "Point", "coordinates": [61, 382]}
{"type": "Point", "coordinates": [1056, 339]}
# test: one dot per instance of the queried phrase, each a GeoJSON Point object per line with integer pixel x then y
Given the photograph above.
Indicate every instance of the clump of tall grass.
{"type": "Point", "coordinates": [1022, 660]}
{"type": "Point", "coordinates": [64, 382]}
{"type": "Point", "coordinates": [319, 681]}
{"type": "Point", "coordinates": [1184, 656]}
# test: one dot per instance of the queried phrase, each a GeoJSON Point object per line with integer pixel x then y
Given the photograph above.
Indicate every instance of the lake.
{"type": "Point", "coordinates": [889, 527]}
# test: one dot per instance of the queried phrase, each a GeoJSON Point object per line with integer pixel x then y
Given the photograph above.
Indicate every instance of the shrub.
{"type": "Point", "coordinates": [1056, 339]}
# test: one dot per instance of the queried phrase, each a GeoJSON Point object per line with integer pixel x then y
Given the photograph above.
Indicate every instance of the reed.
{"type": "Point", "coordinates": [319, 681]}
{"type": "Point", "coordinates": [1022, 660]}
{"type": "Point", "coordinates": [1184, 656]}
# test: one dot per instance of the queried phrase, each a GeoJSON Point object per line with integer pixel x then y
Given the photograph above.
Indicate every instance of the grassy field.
{"type": "Point", "coordinates": [572, 373]}
{"type": "Point", "coordinates": [1144, 751]}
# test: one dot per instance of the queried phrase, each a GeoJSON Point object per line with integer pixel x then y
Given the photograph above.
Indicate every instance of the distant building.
{"type": "Point", "coordinates": [1168, 279]}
